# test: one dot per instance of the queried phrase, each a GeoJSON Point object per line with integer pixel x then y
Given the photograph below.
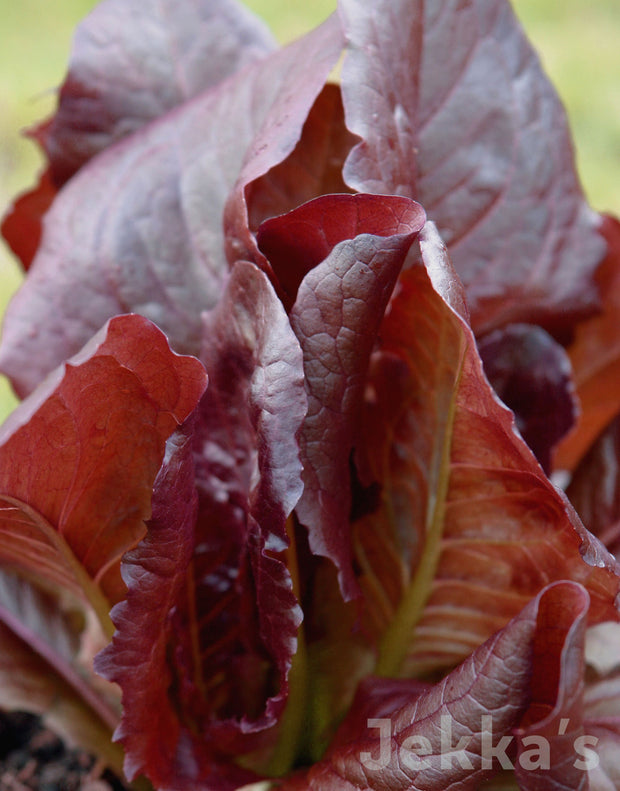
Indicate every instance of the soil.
{"type": "Point", "coordinates": [33, 758]}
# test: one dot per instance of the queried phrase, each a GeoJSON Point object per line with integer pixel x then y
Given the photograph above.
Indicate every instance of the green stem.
{"type": "Point", "coordinates": [400, 634]}
{"type": "Point", "coordinates": [292, 724]}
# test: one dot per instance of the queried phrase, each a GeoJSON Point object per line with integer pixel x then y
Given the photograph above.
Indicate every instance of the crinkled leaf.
{"type": "Point", "coordinates": [352, 248]}
{"type": "Point", "coordinates": [454, 110]}
{"type": "Point", "coordinates": [299, 241]}
{"type": "Point", "coordinates": [151, 240]}
{"type": "Point", "coordinates": [595, 356]}
{"type": "Point", "coordinates": [248, 473]}
{"type": "Point", "coordinates": [532, 375]}
{"type": "Point", "coordinates": [39, 644]}
{"type": "Point", "coordinates": [157, 741]}
{"type": "Point", "coordinates": [79, 457]}
{"type": "Point", "coordinates": [211, 568]}
{"type": "Point", "coordinates": [438, 736]}
{"type": "Point", "coordinates": [132, 62]}
{"type": "Point", "coordinates": [141, 656]}
{"type": "Point", "coordinates": [469, 528]}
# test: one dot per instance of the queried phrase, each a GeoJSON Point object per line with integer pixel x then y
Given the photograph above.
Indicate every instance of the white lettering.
{"type": "Point", "coordinates": [385, 748]}
{"type": "Point", "coordinates": [411, 749]}
{"type": "Point", "coordinates": [499, 751]}
{"type": "Point", "coordinates": [581, 746]}
{"type": "Point", "coordinates": [539, 758]}
{"type": "Point", "coordinates": [450, 753]}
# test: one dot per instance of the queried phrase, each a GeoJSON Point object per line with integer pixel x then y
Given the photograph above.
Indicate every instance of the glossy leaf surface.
{"type": "Point", "coordinates": [151, 241]}
{"type": "Point", "coordinates": [455, 111]}
{"type": "Point", "coordinates": [352, 248]}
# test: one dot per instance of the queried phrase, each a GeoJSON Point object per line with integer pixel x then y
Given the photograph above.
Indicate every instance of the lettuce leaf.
{"type": "Point", "coordinates": [211, 617]}
{"type": "Point", "coordinates": [74, 503]}
{"type": "Point", "coordinates": [152, 241]}
{"type": "Point", "coordinates": [457, 732]}
{"type": "Point", "coordinates": [454, 110]}
{"type": "Point", "coordinates": [352, 248]}
{"type": "Point", "coordinates": [468, 527]}
{"type": "Point", "coordinates": [131, 62]}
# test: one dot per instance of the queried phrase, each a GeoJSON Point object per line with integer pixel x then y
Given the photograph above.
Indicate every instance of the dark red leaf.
{"type": "Point", "coordinates": [352, 248]}
{"type": "Point", "coordinates": [595, 488]}
{"type": "Point", "coordinates": [532, 375]}
{"type": "Point", "coordinates": [132, 61]}
{"type": "Point", "coordinates": [209, 628]}
{"type": "Point", "coordinates": [299, 241]}
{"type": "Point", "coordinates": [248, 473]}
{"type": "Point", "coordinates": [141, 657]}
{"type": "Point", "coordinates": [314, 168]}
{"type": "Point", "coordinates": [454, 111]}
{"type": "Point", "coordinates": [140, 227]}
{"type": "Point", "coordinates": [279, 135]}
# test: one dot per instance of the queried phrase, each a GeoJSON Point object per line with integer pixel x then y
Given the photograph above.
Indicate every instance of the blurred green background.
{"type": "Point", "coordinates": [578, 41]}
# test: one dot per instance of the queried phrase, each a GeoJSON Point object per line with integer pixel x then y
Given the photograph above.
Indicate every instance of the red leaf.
{"type": "Point", "coordinates": [139, 658]}
{"type": "Point", "coordinates": [352, 248]}
{"type": "Point", "coordinates": [140, 227]}
{"type": "Point", "coordinates": [209, 628]}
{"type": "Point", "coordinates": [468, 527]}
{"type": "Point", "coordinates": [594, 489]}
{"type": "Point", "coordinates": [314, 167]}
{"type": "Point", "coordinates": [21, 228]}
{"type": "Point", "coordinates": [134, 60]}
{"type": "Point", "coordinates": [249, 478]}
{"type": "Point", "coordinates": [532, 375]}
{"type": "Point", "coordinates": [454, 110]}
{"type": "Point", "coordinates": [75, 502]}
{"type": "Point", "coordinates": [553, 725]}
{"type": "Point", "coordinates": [437, 738]}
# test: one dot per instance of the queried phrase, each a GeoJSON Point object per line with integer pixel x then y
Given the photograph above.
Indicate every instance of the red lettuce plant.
{"type": "Point", "coordinates": [299, 362]}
